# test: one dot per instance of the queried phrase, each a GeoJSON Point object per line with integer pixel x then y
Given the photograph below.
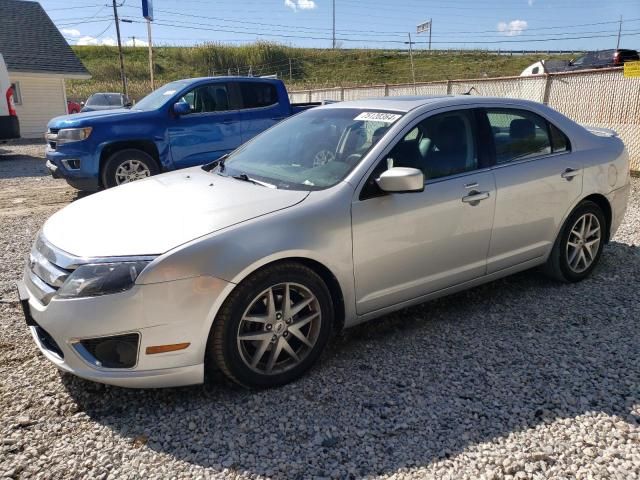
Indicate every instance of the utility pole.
{"type": "Point", "coordinates": [133, 38]}
{"type": "Point", "coordinates": [122, 76]}
{"type": "Point", "coordinates": [334, 24]}
{"type": "Point", "coordinates": [619, 32]}
{"type": "Point", "coordinates": [413, 72]}
{"type": "Point", "coordinates": [290, 71]}
{"type": "Point", "coordinates": [430, 28]}
{"type": "Point", "coordinates": [150, 54]}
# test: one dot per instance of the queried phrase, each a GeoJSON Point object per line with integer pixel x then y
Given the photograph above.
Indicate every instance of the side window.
{"type": "Point", "coordinates": [258, 94]}
{"type": "Point", "coordinates": [440, 146]}
{"type": "Point", "coordinates": [535, 70]}
{"type": "Point", "coordinates": [208, 98]}
{"type": "Point", "coordinates": [518, 134]}
{"type": "Point", "coordinates": [559, 141]}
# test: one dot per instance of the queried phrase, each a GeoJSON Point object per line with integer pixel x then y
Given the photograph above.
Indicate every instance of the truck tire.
{"type": "Point", "coordinates": [125, 166]}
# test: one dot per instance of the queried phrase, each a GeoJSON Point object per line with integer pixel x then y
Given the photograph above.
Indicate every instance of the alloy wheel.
{"type": "Point", "coordinates": [130, 171]}
{"type": "Point", "coordinates": [583, 242]}
{"type": "Point", "coordinates": [279, 328]}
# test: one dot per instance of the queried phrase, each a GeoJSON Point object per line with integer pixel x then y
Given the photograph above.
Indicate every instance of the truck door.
{"type": "Point", "coordinates": [209, 130]}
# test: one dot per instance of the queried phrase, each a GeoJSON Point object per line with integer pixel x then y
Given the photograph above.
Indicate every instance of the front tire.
{"type": "Point", "coordinates": [273, 327]}
{"type": "Point", "coordinates": [127, 166]}
{"type": "Point", "coordinates": [578, 247]}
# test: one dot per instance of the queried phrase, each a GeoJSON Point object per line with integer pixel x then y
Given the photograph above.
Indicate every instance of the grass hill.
{"type": "Point", "coordinates": [299, 67]}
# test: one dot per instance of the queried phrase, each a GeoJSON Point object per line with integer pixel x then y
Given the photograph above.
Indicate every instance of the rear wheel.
{"type": "Point", "coordinates": [273, 327]}
{"type": "Point", "coordinates": [579, 245]}
{"type": "Point", "coordinates": [127, 166]}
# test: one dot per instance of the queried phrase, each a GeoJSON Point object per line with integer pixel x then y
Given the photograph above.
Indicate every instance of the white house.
{"type": "Point", "coordinates": [39, 60]}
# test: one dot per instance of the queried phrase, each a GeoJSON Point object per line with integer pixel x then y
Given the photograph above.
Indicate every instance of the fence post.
{"type": "Point", "coordinates": [309, 98]}
{"type": "Point", "coordinates": [547, 88]}
{"type": "Point", "coordinates": [342, 93]}
{"type": "Point", "coordinates": [386, 90]}
{"type": "Point", "coordinates": [448, 87]}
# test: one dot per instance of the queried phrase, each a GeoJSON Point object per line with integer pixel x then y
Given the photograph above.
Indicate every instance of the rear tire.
{"type": "Point", "coordinates": [127, 166]}
{"type": "Point", "coordinates": [578, 248]}
{"type": "Point", "coordinates": [258, 341]}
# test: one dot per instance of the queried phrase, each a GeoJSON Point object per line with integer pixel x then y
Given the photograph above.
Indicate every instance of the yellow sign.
{"type": "Point", "coordinates": [632, 69]}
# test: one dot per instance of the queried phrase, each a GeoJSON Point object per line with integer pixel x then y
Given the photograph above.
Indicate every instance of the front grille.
{"type": "Point", "coordinates": [44, 276]}
{"type": "Point", "coordinates": [48, 342]}
{"type": "Point", "coordinates": [118, 351]}
{"type": "Point", "coordinates": [52, 137]}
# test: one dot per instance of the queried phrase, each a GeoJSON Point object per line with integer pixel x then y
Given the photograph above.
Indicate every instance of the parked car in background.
{"type": "Point", "coordinates": [335, 216]}
{"type": "Point", "coordinates": [9, 125]}
{"type": "Point", "coordinates": [73, 107]}
{"type": "Point", "coordinates": [603, 59]}
{"type": "Point", "coordinates": [183, 123]}
{"type": "Point", "coordinates": [105, 101]}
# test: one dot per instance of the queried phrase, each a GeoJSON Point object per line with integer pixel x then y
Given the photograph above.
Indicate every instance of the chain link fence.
{"type": "Point", "coordinates": [600, 98]}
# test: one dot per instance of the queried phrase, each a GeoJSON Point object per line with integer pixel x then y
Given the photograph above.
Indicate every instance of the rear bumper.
{"type": "Point", "coordinates": [618, 199]}
{"type": "Point", "coordinates": [9, 127]}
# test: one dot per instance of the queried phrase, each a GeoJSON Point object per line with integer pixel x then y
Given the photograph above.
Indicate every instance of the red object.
{"type": "Point", "coordinates": [73, 107]}
{"type": "Point", "coordinates": [10, 104]}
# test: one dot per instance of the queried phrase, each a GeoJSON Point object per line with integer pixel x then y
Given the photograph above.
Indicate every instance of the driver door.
{"type": "Point", "coordinates": [406, 245]}
{"type": "Point", "coordinates": [210, 130]}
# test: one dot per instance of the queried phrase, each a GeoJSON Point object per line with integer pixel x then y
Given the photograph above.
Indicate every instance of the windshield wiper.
{"type": "Point", "coordinates": [207, 167]}
{"type": "Point", "coordinates": [246, 178]}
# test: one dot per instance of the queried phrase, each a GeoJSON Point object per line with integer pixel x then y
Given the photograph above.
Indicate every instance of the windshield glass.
{"type": "Point", "coordinates": [159, 97]}
{"type": "Point", "coordinates": [105, 100]}
{"type": "Point", "coordinates": [311, 151]}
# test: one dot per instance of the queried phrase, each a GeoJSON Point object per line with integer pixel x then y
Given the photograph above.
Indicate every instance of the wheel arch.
{"type": "Point", "coordinates": [146, 146]}
{"type": "Point", "coordinates": [604, 204]}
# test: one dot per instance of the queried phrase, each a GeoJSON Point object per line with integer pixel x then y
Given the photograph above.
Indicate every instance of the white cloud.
{"type": "Point", "coordinates": [296, 5]}
{"type": "Point", "coordinates": [530, 2]}
{"type": "Point", "coordinates": [139, 43]}
{"type": "Point", "coordinates": [89, 40]}
{"type": "Point", "coordinates": [513, 28]}
{"type": "Point", "coordinates": [72, 32]}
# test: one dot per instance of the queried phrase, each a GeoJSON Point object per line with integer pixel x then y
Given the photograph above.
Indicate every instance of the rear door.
{"type": "Point", "coordinates": [260, 108]}
{"type": "Point", "coordinates": [537, 180]}
{"type": "Point", "coordinates": [210, 130]}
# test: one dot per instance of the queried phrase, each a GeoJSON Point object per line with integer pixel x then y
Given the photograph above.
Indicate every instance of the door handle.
{"type": "Point", "coordinates": [569, 173]}
{"type": "Point", "coordinates": [475, 197]}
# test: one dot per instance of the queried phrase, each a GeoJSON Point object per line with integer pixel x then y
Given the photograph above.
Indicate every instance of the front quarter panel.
{"type": "Point", "coordinates": [318, 229]}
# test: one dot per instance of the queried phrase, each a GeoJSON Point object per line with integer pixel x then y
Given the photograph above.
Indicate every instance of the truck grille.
{"type": "Point", "coordinates": [52, 137]}
{"type": "Point", "coordinates": [43, 275]}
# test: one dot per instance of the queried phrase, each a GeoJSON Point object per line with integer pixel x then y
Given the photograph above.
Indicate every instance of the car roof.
{"type": "Point", "coordinates": [407, 103]}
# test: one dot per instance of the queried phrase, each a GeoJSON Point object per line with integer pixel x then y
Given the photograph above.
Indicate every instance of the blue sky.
{"type": "Point", "coordinates": [489, 24]}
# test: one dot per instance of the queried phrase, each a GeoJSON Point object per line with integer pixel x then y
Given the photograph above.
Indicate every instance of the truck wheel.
{"type": "Point", "coordinates": [127, 166]}
{"type": "Point", "coordinates": [273, 326]}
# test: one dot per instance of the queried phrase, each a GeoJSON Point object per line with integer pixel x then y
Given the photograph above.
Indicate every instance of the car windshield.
{"type": "Point", "coordinates": [105, 100]}
{"type": "Point", "coordinates": [311, 151]}
{"type": "Point", "coordinates": [159, 97]}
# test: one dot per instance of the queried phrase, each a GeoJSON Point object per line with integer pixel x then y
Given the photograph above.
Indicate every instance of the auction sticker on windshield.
{"type": "Point", "coordinates": [378, 117]}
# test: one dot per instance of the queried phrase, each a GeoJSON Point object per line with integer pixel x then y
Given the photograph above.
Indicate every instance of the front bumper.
{"type": "Point", "coordinates": [162, 314]}
{"type": "Point", "coordinates": [85, 178]}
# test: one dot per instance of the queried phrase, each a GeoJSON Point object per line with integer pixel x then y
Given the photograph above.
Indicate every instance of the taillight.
{"type": "Point", "coordinates": [10, 104]}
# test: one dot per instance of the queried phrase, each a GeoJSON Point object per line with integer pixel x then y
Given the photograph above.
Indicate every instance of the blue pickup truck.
{"type": "Point", "coordinates": [182, 124]}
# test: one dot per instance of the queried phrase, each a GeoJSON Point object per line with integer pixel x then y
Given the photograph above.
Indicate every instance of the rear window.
{"type": "Point", "coordinates": [258, 94]}
{"type": "Point", "coordinates": [105, 99]}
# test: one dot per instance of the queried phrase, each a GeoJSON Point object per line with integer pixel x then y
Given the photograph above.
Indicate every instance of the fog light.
{"type": "Point", "coordinates": [72, 164]}
{"type": "Point", "coordinates": [118, 351]}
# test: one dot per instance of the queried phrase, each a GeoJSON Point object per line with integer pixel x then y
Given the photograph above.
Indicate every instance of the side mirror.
{"type": "Point", "coordinates": [128, 105]}
{"type": "Point", "coordinates": [82, 104]}
{"type": "Point", "coordinates": [181, 108]}
{"type": "Point", "coordinates": [401, 180]}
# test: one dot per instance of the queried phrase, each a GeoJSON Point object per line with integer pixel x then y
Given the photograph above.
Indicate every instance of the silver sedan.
{"type": "Point", "coordinates": [335, 216]}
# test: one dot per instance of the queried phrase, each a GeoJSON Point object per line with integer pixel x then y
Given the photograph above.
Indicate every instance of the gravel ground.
{"type": "Point", "coordinates": [521, 378]}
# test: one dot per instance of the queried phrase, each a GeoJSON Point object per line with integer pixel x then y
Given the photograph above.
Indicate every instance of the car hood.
{"type": "Point", "coordinates": [157, 214]}
{"type": "Point", "coordinates": [88, 118]}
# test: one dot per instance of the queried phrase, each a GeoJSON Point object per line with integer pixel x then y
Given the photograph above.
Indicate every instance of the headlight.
{"type": "Point", "coordinates": [101, 279]}
{"type": "Point", "coordinates": [69, 135]}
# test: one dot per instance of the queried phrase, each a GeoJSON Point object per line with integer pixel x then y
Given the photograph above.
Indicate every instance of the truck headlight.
{"type": "Point", "coordinates": [97, 279]}
{"type": "Point", "coordinates": [69, 135]}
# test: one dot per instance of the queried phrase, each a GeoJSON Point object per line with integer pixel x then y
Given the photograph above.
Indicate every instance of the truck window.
{"type": "Point", "coordinates": [208, 98]}
{"type": "Point", "coordinates": [258, 94]}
